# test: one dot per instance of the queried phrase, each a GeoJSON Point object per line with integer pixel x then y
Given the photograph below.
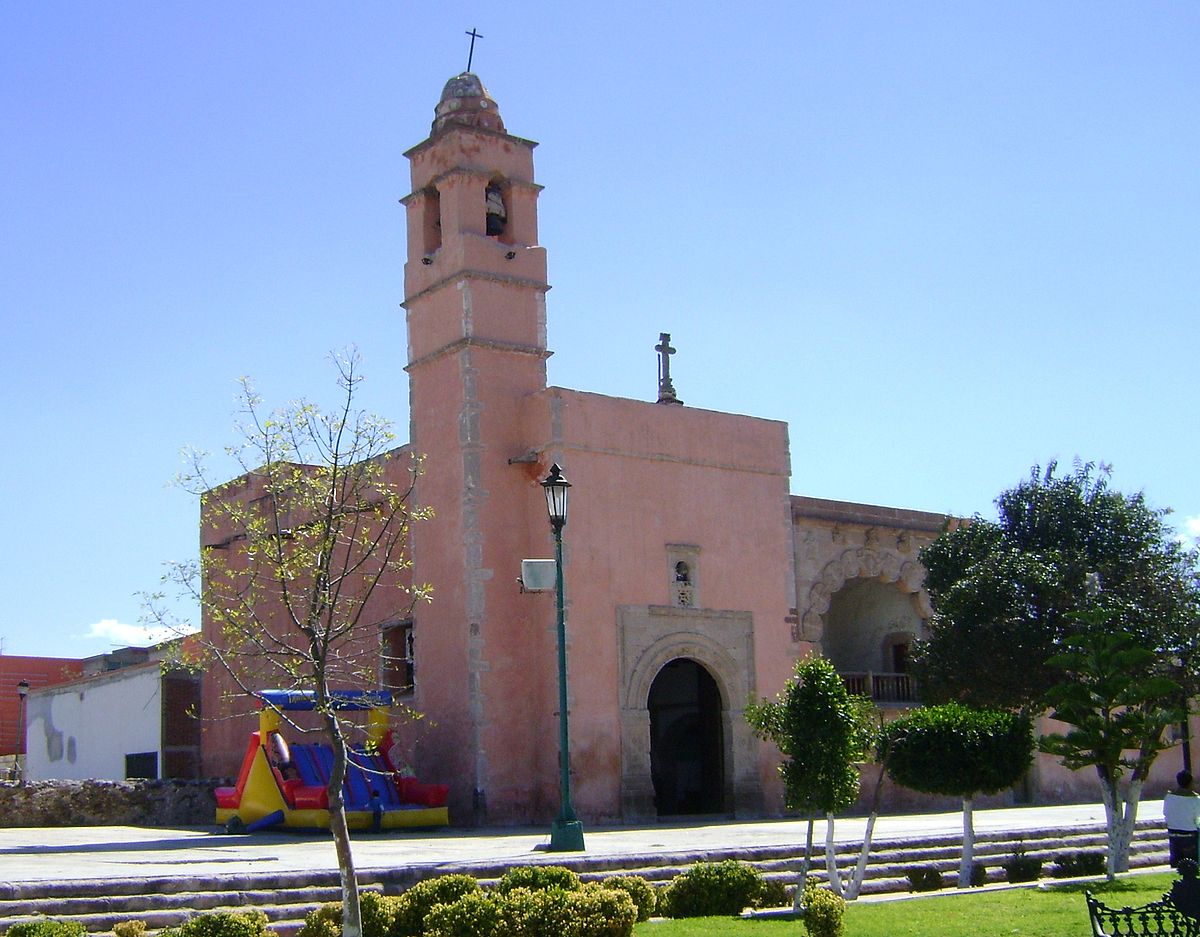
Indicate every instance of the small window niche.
{"type": "Point", "coordinates": [497, 206]}
{"type": "Point", "coordinates": [431, 221]}
{"type": "Point", "coordinates": [397, 665]}
{"type": "Point", "coordinates": [683, 565]}
{"type": "Point", "coordinates": [896, 648]}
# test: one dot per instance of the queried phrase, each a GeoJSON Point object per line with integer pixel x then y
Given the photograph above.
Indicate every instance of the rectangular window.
{"type": "Point", "coordinates": [397, 669]}
{"type": "Point", "coordinates": [141, 765]}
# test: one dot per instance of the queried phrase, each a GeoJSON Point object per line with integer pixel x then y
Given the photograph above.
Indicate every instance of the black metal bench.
{"type": "Point", "coordinates": [1157, 919]}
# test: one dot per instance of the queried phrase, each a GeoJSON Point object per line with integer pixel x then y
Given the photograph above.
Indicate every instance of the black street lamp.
{"type": "Point", "coordinates": [22, 692]}
{"type": "Point", "coordinates": [566, 834]}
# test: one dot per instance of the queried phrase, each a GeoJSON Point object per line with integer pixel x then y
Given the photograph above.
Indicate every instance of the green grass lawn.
{"type": "Point", "coordinates": [1050, 911]}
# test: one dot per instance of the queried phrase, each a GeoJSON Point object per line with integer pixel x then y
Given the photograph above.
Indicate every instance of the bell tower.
{"type": "Point", "coordinates": [475, 285]}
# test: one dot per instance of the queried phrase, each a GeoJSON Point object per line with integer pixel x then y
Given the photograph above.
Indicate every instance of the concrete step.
{"type": "Point", "coordinates": [287, 897]}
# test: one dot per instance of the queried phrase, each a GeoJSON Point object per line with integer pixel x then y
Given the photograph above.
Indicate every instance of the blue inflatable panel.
{"type": "Point", "coordinates": [303, 700]}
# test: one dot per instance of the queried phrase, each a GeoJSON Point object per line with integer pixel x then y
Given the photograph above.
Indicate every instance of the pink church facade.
{"type": "Point", "coordinates": [694, 580]}
{"type": "Point", "coordinates": [651, 495]}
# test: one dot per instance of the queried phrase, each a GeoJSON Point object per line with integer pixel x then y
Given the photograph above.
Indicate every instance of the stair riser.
{"type": "Point", "coordinates": [287, 898]}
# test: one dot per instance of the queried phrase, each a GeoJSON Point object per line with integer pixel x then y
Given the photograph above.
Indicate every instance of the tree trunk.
{"type": "Point", "coordinates": [351, 910]}
{"type": "Point", "coordinates": [798, 900]}
{"type": "Point", "coordinates": [968, 847]}
{"type": "Point", "coordinates": [831, 869]}
{"type": "Point", "coordinates": [1133, 794]}
{"type": "Point", "coordinates": [1109, 794]}
{"type": "Point", "coordinates": [854, 886]}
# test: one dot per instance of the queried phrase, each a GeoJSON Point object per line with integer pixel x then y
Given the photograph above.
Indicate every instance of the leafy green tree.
{"type": "Point", "coordinates": [823, 731]}
{"type": "Point", "coordinates": [1116, 709]}
{"type": "Point", "coordinates": [1004, 592]}
{"type": "Point", "coordinates": [963, 752]}
{"type": "Point", "coordinates": [306, 555]}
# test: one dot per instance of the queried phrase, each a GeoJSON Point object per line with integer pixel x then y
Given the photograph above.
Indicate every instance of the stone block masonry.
{"type": "Point", "coordinates": [107, 803]}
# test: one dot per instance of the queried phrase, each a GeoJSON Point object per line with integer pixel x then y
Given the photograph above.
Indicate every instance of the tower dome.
{"type": "Point", "coordinates": [466, 101]}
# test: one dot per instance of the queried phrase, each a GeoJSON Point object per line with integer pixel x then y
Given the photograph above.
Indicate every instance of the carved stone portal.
{"type": "Point", "coordinates": [651, 636]}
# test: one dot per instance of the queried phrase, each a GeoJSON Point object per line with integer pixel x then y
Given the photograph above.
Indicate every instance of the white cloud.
{"type": "Point", "coordinates": [1189, 529]}
{"type": "Point", "coordinates": [120, 634]}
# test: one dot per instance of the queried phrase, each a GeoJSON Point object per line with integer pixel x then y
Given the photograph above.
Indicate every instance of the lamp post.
{"type": "Point", "coordinates": [566, 834]}
{"type": "Point", "coordinates": [22, 692]}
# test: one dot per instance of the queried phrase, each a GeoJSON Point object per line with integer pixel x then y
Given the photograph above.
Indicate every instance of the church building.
{"type": "Point", "coordinates": [694, 579]}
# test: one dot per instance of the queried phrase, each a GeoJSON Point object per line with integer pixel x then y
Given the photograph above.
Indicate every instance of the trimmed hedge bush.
{"type": "Point", "coordinates": [924, 878]}
{"type": "Point", "coordinates": [1023, 868]}
{"type": "Point", "coordinates": [129, 928]}
{"type": "Point", "coordinates": [589, 911]}
{"type": "Point", "coordinates": [774, 894]}
{"type": "Point", "coordinates": [46, 929]}
{"type": "Point", "coordinates": [712, 888]}
{"type": "Point", "coordinates": [640, 892]}
{"type": "Point", "coordinates": [221, 924]}
{"type": "Point", "coordinates": [411, 908]}
{"type": "Point", "coordinates": [538, 878]}
{"type": "Point", "coordinates": [472, 915]}
{"type": "Point", "coordinates": [597, 911]}
{"type": "Point", "coordinates": [377, 913]}
{"type": "Point", "coordinates": [1074, 864]}
{"type": "Point", "coordinates": [823, 912]}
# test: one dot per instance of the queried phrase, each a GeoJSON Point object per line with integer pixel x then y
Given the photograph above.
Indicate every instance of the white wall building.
{"type": "Point", "coordinates": [127, 718]}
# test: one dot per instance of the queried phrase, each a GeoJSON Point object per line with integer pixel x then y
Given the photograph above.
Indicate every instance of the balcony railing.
{"type": "Point", "coordinates": [883, 687]}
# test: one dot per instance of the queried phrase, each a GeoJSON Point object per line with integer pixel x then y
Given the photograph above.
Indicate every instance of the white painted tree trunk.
{"type": "Point", "coordinates": [968, 847]}
{"type": "Point", "coordinates": [849, 886]}
{"type": "Point", "coordinates": [1133, 797]}
{"type": "Point", "coordinates": [806, 863]}
{"type": "Point", "coordinates": [831, 869]}
{"type": "Point", "coordinates": [1120, 815]}
{"type": "Point", "coordinates": [854, 886]}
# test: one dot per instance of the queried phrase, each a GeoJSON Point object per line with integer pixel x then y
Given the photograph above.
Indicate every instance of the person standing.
{"type": "Point", "coordinates": [1181, 810]}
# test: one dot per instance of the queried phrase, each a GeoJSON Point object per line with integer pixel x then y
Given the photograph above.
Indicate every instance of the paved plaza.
{"type": "Point", "coordinates": [97, 853]}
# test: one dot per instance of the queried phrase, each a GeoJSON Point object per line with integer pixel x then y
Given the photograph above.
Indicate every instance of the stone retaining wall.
{"type": "Point", "coordinates": [107, 803]}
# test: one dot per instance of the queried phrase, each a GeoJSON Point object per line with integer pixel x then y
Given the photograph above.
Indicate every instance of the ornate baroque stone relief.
{"type": "Point", "coordinates": [886, 565]}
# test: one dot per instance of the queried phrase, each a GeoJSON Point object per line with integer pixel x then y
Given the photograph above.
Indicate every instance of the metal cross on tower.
{"type": "Point", "coordinates": [666, 390]}
{"type": "Point", "coordinates": [470, 55]}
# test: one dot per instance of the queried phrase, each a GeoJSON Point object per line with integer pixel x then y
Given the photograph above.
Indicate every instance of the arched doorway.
{"type": "Point", "coordinates": [686, 745]}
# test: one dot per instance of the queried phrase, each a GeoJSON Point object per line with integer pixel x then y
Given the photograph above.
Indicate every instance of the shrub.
{"type": "Point", "coordinates": [1022, 868]}
{"type": "Point", "coordinates": [712, 888]}
{"type": "Point", "coordinates": [411, 908]}
{"type": "Point", "coordinates": [538, 878]}
{"type": "Point", "coordinates": [129, 929]}
{"type": "Point", "coordinates": [221, 924]}
{"type": "Point", "coordinates": [597, 911]}
{"type": "Point", "coordinates": [823, 912]}
{"type": "Point", "coordinates": [1073, 864]}
{"type": "Point", "coordinates": [640, 892]}
{"type": "Point", "coordinates": [472, 915]}
{"type": "Point", "coordinates": [774, 894]}
{"type": "Point", "coordinates": [377, 912]}
{"type": "Point", "coordinates": [47, 929]}
{"type": "Point", "coordinates": [978, 874]}
{"type": "Point", "coordinates": [325, 921]}
{"type": "Point", "coordinates": [924, 878]}
{"type": "Point", "coordinates": [528, 913]}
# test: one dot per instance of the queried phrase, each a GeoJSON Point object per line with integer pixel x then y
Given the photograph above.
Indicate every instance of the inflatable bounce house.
{"type": "Point", "coordinates": [282, 785]}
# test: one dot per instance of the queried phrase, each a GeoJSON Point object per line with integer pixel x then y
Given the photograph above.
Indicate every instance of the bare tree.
{"type": "Point", "coordinates": [305, 554]}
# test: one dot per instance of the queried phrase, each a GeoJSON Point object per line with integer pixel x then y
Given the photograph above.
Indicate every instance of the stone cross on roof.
{"type": "Point", "coordinates": [666, 390]}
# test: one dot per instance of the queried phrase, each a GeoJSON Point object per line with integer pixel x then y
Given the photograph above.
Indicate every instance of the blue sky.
{"type": "Point", "coordinates": [944, 241]}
